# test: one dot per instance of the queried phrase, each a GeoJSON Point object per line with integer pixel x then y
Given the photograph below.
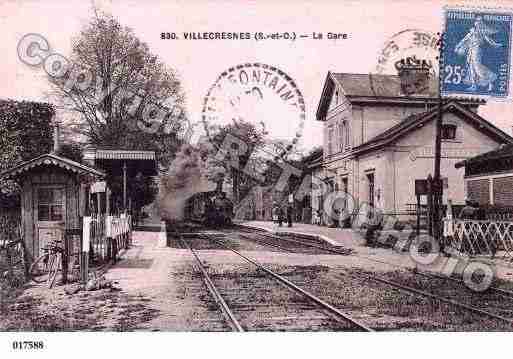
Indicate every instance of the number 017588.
{"type": "Point", "coordinates": [28, 345]}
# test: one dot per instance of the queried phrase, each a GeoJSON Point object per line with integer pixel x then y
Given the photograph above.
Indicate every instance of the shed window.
{"type": "Point", "coordinates": [448, 132]}
{"type": "Point", "coordinates": [50, 204]}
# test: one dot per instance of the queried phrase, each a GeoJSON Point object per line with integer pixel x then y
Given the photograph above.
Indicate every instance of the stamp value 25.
{"type": "Point", "coordinates": [477, 53]}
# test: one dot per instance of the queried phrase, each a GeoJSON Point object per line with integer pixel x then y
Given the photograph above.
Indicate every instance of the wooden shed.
{"type": "Point", "coordinates": [53, 198]}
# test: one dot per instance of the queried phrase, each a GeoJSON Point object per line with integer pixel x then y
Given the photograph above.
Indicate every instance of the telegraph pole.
{"type": "Point", "coordinates": [437, 185]}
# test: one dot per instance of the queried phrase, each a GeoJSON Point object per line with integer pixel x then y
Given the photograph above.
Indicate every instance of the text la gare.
{"type": "Point", "coordinates": [329, 35]}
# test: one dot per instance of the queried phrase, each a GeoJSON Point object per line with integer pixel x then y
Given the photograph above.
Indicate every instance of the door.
{"type": "Point", "coordinates": [50, 210]}
{"type": "Point", "coordinates": [370, 179]}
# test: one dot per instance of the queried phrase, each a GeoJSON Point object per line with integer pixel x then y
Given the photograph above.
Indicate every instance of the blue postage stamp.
{"type": "Point", "coordinates": [476, 53]}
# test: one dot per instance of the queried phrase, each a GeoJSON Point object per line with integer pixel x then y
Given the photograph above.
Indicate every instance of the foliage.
{"type": "Point", "coordinates": [128, 86]}
{"type": "Point", "coordinates": [120, 66]}
{"type": "Point", "coordinates": [72, 151]}
{"type": "Point", "coordinates": [219, 170]}
{"type": "Point", "coordinates": [25, 133]}
{"type": "Point", "coordinates": [143, 191]}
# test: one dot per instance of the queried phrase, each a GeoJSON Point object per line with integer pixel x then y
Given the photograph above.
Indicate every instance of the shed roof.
{"type": "Point", "coordinates": [51, 159]}
{"type": "Point", "coordinates": [504, 151]}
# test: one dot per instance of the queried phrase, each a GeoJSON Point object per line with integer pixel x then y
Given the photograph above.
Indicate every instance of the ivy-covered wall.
{"type": "Point", "coordinates": [25, 133]}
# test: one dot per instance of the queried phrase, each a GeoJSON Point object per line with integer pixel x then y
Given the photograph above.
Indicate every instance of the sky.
{"type": "Point", "coordinates": [369, 24]}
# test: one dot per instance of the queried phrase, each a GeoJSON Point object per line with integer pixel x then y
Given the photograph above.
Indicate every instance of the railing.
{"type": "Point", "coordinates": [411, 208]}
{"type": "Point", "coordinates": [480, 237]}
{"type": "Point", "coordinates": [98, 237]}
{"type": "Point", "coordinates": [120, 230]}
{"type": "Point", "coordinates": [107, 235]}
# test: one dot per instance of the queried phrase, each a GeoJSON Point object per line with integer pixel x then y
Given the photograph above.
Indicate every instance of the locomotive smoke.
{"type": "Point", "coordinates": [182, 181]}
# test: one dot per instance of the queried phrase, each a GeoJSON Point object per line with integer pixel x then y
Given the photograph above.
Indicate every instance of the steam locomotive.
{"type": "Point", "coordinates": [210, 208]}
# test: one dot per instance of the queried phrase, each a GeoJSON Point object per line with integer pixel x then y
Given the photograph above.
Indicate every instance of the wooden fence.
{"type": "Point", "coordinates": [480, 237]}
{"type": "Point", "coordinates": [107, 235]}
{"type": "Point", "coordinates": [12, 261]}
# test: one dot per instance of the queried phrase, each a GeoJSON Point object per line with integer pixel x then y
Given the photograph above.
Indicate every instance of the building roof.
{"type": "Point", "coordinates": [376, 85]}
{"type": "Point", "coordinates": [376, 88]}
{"type": "Point", "coordinates": [412, 122]}
{"type": "Point", "coordinates": [102, 154]}
{"type": "Point", "coordinates": [504, 151]}
{"type": "Point", "coordinates": [51, 159]}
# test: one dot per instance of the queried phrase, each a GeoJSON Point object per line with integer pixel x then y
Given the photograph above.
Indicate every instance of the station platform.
{"type": "Point", "coordinates": [345, 237]}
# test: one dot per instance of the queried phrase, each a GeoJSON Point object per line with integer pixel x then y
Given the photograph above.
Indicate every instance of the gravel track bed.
{"type": "Point", "coordinates": [260, 303]}
{"type": "Point", "coordinates": [382, 307]}
{"type": "Point", "coordinates": [192, 289]}
{"type": "Point", "coordinates": [489, 300]}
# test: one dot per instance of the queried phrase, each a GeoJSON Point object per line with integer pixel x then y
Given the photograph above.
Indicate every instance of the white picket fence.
{"type": "Point", "coordinates": [474, 237]}
{"type": "Point", "coordinates": [107, 235]}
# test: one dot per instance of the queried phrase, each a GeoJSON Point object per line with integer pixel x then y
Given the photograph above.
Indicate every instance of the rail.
{"type": "Point", "coordinates": [232, 321]}
{"type": "Point", "coordinates": [405, 288]}
{"type": "Point", "coordinates": [324, 305]}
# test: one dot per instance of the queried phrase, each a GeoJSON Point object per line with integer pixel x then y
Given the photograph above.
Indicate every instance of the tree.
{"type": "Point", "coordinates": [71, 151]}
{"type": "Point", "coordinates": [220, 170]}
{"type": "Point", "coordinates": [121, 94]}
{"type": "Point", "coordinates": [25, 133]}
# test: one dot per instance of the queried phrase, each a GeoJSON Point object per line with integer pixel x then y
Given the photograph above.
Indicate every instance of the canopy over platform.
{"type": "Point", "coordinates": [112, 161]}
{"type": "Point", "coordinates": [125, 163]}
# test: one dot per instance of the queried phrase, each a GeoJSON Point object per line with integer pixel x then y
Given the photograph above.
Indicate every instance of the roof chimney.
{"type": "Point", "coordinates": [56, 140]}
{"type": "Point", "coordinates": [414, 75]}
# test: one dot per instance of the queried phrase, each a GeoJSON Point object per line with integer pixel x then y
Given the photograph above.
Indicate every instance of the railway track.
{"type": "Point", "coordinates": [282, 304]}
{"type": "Point", "coordinates": [486, 304]}
{"type": "Point", "coordinates": [500, 291]}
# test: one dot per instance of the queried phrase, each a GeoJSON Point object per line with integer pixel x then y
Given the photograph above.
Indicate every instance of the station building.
{"type": "Point", "coordinates": [378, 140]}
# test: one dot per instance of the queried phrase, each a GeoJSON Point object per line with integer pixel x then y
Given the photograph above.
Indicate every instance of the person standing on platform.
{"type": "Point", "coordinates": [280, 216]}
{"type": "Point", "coordinates": [289, 215]}
{"type": "Point", "coordinates": [275, 213]}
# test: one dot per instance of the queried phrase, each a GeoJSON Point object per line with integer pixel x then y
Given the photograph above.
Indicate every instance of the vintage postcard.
{"type": "Point", "coordinates": [242, 166]}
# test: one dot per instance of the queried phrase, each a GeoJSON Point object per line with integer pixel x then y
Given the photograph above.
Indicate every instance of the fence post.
{"type": "Point", "coordinates": [109, 232]}
{"type": "Point", "coordinates": [123, 229]}
{"type": "Point", "coordinates": [10, 270]}
{"type": "Point", "coordinates": [84, 250]}
{"type": "Point", "coordinates": [64, 258]}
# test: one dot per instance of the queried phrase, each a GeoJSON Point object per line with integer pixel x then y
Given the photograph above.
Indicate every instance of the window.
{"type": "Point", "coordinates": [330, 140]}
{"type": "Point", "coordinates": [331, 186]}
{"type": "Point", "coordinates": [50, 204]}
{"type": "Point", "coordinates": [448, 132]}
{"type": "Point", "coordinates": [341, 136]}
{"type": "Point", "coordinates": [346, 131]}
{"type": "Point", "coordinates": [345, 189]}
{"type": "Point", "coordinates": [345, 185]}
{"type": "Point", "coordinates": [370, 179]}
